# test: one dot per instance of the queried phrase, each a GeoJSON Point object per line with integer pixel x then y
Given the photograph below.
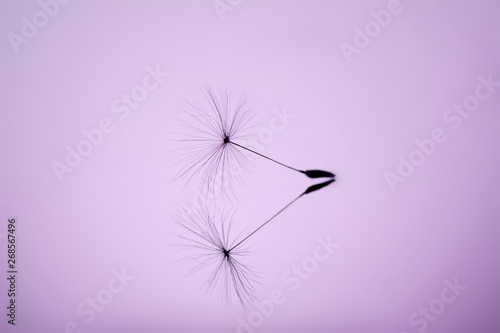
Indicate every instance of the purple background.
{"type": "Point", "coordinates": [114, 210]}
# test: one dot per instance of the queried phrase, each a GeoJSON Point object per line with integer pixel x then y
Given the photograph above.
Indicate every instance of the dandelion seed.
{"type": "Point", "coordinates": [213, 248]}
{"type": "Point", "coordinates": [310, 189]}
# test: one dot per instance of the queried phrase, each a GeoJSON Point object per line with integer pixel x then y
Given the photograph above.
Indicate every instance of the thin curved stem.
{"type": "Point", "coordinates": [253, 151]}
